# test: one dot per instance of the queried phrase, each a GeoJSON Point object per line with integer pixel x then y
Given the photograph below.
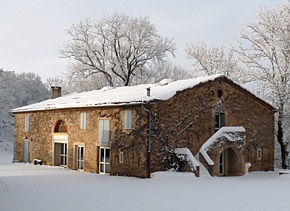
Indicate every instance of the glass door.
{"type": "Point", "coordinates": [80, 158]}
{"type": "Point", "coordinates": [63, 154]}
{"type": "Point", "coordinates": [104, 167]}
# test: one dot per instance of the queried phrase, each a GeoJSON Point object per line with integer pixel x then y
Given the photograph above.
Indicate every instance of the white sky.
{"type": "Point", "coordinates": [33, 31]}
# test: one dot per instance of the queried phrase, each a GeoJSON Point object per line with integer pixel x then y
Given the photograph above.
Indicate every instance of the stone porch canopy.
{"type": "Point", "coordinates": [128, 95]}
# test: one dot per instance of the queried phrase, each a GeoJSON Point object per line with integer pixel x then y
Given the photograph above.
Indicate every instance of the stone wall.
{"type": "Point", "coordinates": [185, 120]}
{"type": "Point", "coordinates": [40, 137]}
{"type": "Point", "coordinates": [188, 118]}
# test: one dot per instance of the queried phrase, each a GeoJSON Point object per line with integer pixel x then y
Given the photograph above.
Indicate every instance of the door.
{"type": "Point", "coordinates": [80, 157]}
{"type": "Point", "coordinates": [222, 164]}
{"type": "Point", "coordinates": [26, 151]}
{"type": "Point", "coordinates": [104, 167]}
{"type": "Point", "coordinates": [63, 154]}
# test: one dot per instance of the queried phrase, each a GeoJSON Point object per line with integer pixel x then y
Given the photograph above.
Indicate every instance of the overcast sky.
{"type": "Point", "coordinates": [33, 31]}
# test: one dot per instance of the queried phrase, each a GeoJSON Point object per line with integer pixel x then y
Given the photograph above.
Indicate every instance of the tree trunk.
{"type": "Point", "coordinates": [280, 136]}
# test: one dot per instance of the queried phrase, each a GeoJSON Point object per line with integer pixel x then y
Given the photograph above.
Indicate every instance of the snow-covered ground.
{"type": "Point", "coordinates": [29, 187]}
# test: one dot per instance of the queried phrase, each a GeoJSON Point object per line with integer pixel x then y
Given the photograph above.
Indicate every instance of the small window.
{"type": "Point", "coordinates": [219, 121]}
{"type": "Point", "coordinates": [219, 93]}
{"type": "Point", "coordinates": [128, 119]}
{"type": "Point", "coordinates": [121, 157]}
{"type": "Point", "coordinates": [259, 153]}
{"type": "Point", "coordinates": [83, 120]}
{"type": "Point", "coordinates": [104, 130]}
{"type": "Point", "coordinates": [27, 122]}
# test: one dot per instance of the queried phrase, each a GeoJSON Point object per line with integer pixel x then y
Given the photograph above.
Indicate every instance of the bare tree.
{"type": "Point", "coordinates": [213, 60]}
{"type": "Point", "coordinates": [157, 72]}
{"type": "Point", "coordinates": [264, 49]}
{"type": "Point", "coordinates": [118, 47]}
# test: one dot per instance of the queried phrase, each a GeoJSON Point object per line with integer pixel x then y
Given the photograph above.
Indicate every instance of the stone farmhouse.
{"type": "Point", "coordinates": [136, 130]}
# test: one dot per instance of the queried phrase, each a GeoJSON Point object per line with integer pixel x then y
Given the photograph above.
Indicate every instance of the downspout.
{"type": "Point", "coordinates": [149, 144]}
{"type": "Point", "coordinates": [149, 135]}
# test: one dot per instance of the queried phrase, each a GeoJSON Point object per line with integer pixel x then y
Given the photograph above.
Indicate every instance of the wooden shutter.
{"type": "Point", "coordinates": [83, 120]}
{"type": "Point", "coordinates": [26, 122]}
{"type": "Point", "coordinates": [128, 119]}
{"type": "Point", "coordinates": [101, 129]}
{"type": "Point", "coordinates": [106, 130]}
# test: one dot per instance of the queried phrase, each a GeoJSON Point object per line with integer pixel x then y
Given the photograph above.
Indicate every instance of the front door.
{"type": "Point", "coordinates": [222, 164]}
{"type": "Point", "coordinates": [26, 151]}
{"type": "Point", "coordinates": [104, 160]}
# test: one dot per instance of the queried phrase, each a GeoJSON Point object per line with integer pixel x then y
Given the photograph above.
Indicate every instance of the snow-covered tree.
{"type": "Point", "coordinates": [157, 72]}
{"type": "Point", "coordinates": [17, 90]}
{"type": "Point", "coordinates": [264, 49]}
{"type": "Point", "coordinates": [116, 48]}
{"type": "Point", "coordinates": [213, 60]}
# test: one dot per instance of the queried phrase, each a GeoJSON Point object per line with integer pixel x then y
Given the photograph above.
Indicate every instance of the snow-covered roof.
{"type": "Point", "coordinates": [128, 95]}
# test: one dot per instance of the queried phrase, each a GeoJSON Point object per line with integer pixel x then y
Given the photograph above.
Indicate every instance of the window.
{"type": "Point", "coordinates": [80, 157]}
{"type": "Point", "coordinates": [219, 93]}
{"type": "Point", "coordinates": [104, 160]}
{"type": "Point", "coordinates": [121, 157]}
{"type": "Point", "coordinates": [104, 129]}
{"type": "Point", "coordinates": [219, 121]}
{"type": "Point", "coordinates": [27, 122]}
{"type": "Point", "coordinates": [60, 127]}
{"type": "Point", "coordinates": [259, 153]}
{"type": "Point", "coordinates": [128, 119]}
{"type": "Point", "coordinates": [83, 120]}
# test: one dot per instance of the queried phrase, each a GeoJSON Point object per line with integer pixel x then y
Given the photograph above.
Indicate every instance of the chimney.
{"type": "Point", "coordinates": [55, 92]}
{"type": "Point", "coordinates": [148, 91]}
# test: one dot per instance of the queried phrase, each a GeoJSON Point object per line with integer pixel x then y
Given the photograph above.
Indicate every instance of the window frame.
{"type": "Point", "coordinates": [259, 153]}
{"type": "Point", "coordinates": [63, 156]}
{"type": "Point", "coordinates": [221, 121]}
{"type": "Point", "coordinates": [79, 160]}
{"type": "Point", "coordinates": [121, 157]}
{"type": "Point", "coordinates": [104, 163]}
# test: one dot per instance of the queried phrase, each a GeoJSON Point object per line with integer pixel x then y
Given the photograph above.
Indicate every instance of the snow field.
{"type": "Point", "coordinates": [28, 187]}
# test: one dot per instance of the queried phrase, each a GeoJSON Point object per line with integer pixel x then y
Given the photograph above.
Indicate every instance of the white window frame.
{"type": "Point", "coordinates": [128, 119]}
{"type": "Point", "coordinates": [63, 156]}
{"type": "Point", "coordinates": [121, 157]}
{"type": "Point", "coordinates": [83, 120]}
{"type": "Point", "coordinates": [79, 159]}
{"type": "Point", "coordinates": [105, 162]}
{"type": "Point", "coordinates": [26, 122]}
{"type": "Point", "coordinates": [104, 130]}
{"type": "Point", "coordinates": [259, 153]}
{"type": "Point", "coordinates": [220, 120]}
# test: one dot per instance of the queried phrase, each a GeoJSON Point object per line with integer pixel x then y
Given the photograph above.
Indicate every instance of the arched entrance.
{"type": "Point", "coordinates": [230, 163]}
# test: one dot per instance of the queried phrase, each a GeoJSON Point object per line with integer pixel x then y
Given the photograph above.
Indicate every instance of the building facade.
{"type": "Point", "coordinates": [135, 135]}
